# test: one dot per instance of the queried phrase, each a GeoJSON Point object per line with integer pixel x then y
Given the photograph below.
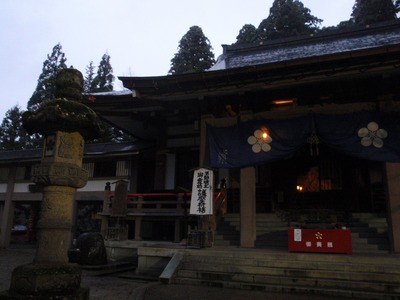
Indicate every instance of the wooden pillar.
{"type": "Point", "coordinates": [7, 215]}
{"type": "Point", "coordinates": [106, 209]}
{"type": "Point", "coordinates": [138, 228]}
{"type": "Point", "coordinates": [104, 226]}
{"type": "Point", "coordinates": [177, 233]}
{"type": "Point", "coordinates": [393, 204]}
{"type": "Point", "coordinates": [247, 207]}
{"type": "Point", "coordinates": [159, 171]}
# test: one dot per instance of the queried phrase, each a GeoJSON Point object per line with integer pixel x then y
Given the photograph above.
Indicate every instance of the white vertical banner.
{"type": "Point", "coordinates": [202, 192]}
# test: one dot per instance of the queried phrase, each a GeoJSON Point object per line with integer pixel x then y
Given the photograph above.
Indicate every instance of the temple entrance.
{"type": "Point", "coordinates": [325, 179]}
{"type": "Point", "coordinates": [317, 179]}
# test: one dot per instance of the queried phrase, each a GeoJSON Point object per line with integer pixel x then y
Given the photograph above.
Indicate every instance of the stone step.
{"type": "Point", "coordinates": [357, 276]}
{"type": "Point", "coordinates": [369, 274]}
{"type": "Point", "coordinates": [259, 218]}
{"type": "Point", "coordinates": [369, 231]}
{"type": "Point", "coordinates": [386, 260]}
{"type": "Point", "coordinates": [293, 280]}
{"type": "Point", "coordinates": [231, 236]}
{"type": "Point", "coordinates": [371, 249]}
{"type": "Point", "coordinates": [366, 215]}
{"type": "Point", "coordinates": [262, 230]}
{"type": "Point", "coordinates": [372, 219]}
{"type": "Point", "coordinates": [272, 235]}
{"type": "Point", "coordinates": [227, 243]}
{"type": "Point", "coordinates": [258, 222]}
{"type": "Point", "coordinates": [229, 227]}
{"type": "Point", "coordinates": [369, 234]}
{"type": "Point", "coordinates": [316, 262]}
{"type": "Point", "coordinates": [282, 289]}
{"type": "Point", "coordinates": [370, 241]}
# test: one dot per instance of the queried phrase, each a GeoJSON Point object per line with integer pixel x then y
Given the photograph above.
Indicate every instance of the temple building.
{"type": "Point", "coordinates": [304, 128]}
{"type": "Point", "coordinates": [20, 199]}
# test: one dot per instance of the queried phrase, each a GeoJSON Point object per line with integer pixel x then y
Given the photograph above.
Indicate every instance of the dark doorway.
{"type": "Point", "coordinates": [320, 179]}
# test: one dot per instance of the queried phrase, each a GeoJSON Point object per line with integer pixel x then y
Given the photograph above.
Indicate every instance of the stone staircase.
{"type": "Point", "coordinates": [272, 232]}
{"type": "Point", "coordinates": [369, 232]}
{"type": "Point", "coordinates": [351, 276]}
{"type": "Point", "coordinates": [228, 231]}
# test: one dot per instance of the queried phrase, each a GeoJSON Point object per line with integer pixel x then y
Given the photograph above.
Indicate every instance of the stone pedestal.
{"type": "Point", "coordinates": [46, 281]}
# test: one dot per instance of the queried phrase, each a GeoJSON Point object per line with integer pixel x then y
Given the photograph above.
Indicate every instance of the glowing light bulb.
{"type": "Point", "coordinates": [264, 135]}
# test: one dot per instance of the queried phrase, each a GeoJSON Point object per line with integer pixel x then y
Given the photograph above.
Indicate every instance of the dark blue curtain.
{"type": "Point", "coordinates": [241, 145]}
{"type": "Point", "coordinates": [368, 135]}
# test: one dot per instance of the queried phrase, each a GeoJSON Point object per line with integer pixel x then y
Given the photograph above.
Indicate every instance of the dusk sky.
{"type": "Point", "coordinates": [140, 36]}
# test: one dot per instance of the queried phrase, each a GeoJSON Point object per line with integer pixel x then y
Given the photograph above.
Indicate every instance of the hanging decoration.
{"type": "Point", "coordinates": [364, 134]}
{"type": "Point", "coordinates": [253, 142]}
{"type": "Point", "coordinates": [313, 140]}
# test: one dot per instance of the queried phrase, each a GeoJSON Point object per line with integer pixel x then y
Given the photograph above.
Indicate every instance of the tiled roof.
{"type": "Point", "coordinates": [89, 150]}
{"type": "Point", "coordinates": [310, 46]}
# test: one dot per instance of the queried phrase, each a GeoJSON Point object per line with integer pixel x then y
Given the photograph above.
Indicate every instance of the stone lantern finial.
{"type": "Point", "coordinates": [69, 85]}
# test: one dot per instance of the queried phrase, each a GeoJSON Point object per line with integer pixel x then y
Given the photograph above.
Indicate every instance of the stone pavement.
{"type": "Point", "coordinates": [114, 287]}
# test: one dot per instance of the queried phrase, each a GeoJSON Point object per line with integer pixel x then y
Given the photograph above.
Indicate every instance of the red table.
{"type": "Point", "coordinates": [320, 240]}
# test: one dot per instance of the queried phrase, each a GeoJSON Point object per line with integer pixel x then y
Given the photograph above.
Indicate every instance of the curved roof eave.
{"type": "Point", "coordinates": [237, 65]}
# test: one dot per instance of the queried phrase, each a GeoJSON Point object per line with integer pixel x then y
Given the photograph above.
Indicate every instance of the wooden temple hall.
{"type": "Point", "coordinates": [304, 131]}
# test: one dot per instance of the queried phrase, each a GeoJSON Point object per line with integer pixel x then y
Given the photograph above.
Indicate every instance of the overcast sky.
{"type": "Point", "coordinates": [141, 36]}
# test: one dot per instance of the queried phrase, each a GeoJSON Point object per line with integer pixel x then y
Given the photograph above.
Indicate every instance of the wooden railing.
{"type": "Point", "coordinates": [117, 233]}
{"type": "Point", "coordinates": [159, 204]}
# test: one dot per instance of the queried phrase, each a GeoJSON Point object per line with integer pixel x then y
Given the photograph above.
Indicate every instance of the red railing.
{"type": "Point", "coordinates": [159, 204]}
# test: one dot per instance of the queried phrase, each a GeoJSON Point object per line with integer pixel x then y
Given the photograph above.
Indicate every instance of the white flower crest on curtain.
{"type": "Point", "coordinates": [372, 135]}
{"type": "Point", "coordinates": [260, 141]}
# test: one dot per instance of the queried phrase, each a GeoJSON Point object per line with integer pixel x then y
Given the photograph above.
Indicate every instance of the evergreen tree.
{"type": "Point", "coordinates": [89, 77]}
{"type": "Point", "coordinates": [103, 82]}
{"type": "Point", "coordinates": [367, 12]}
{"type": "Point", "coordinates": [113, 135]}
{"type": "Point", "coordinates": [345, 24]}
{"type": "Point", "coordinates": [12, 134]}
{"type": "Point", "coordinates": [247, 35]}
{"type": "Point", "coordinates": [194, 53]}
{"type": "Point", "coordinates": [46, 83]}
{"type": "Point", "coordinates": [288, 18]}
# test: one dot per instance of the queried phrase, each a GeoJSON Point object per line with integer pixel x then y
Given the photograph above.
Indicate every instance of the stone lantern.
{"type": "Point", "coordinates": [65, 123]}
